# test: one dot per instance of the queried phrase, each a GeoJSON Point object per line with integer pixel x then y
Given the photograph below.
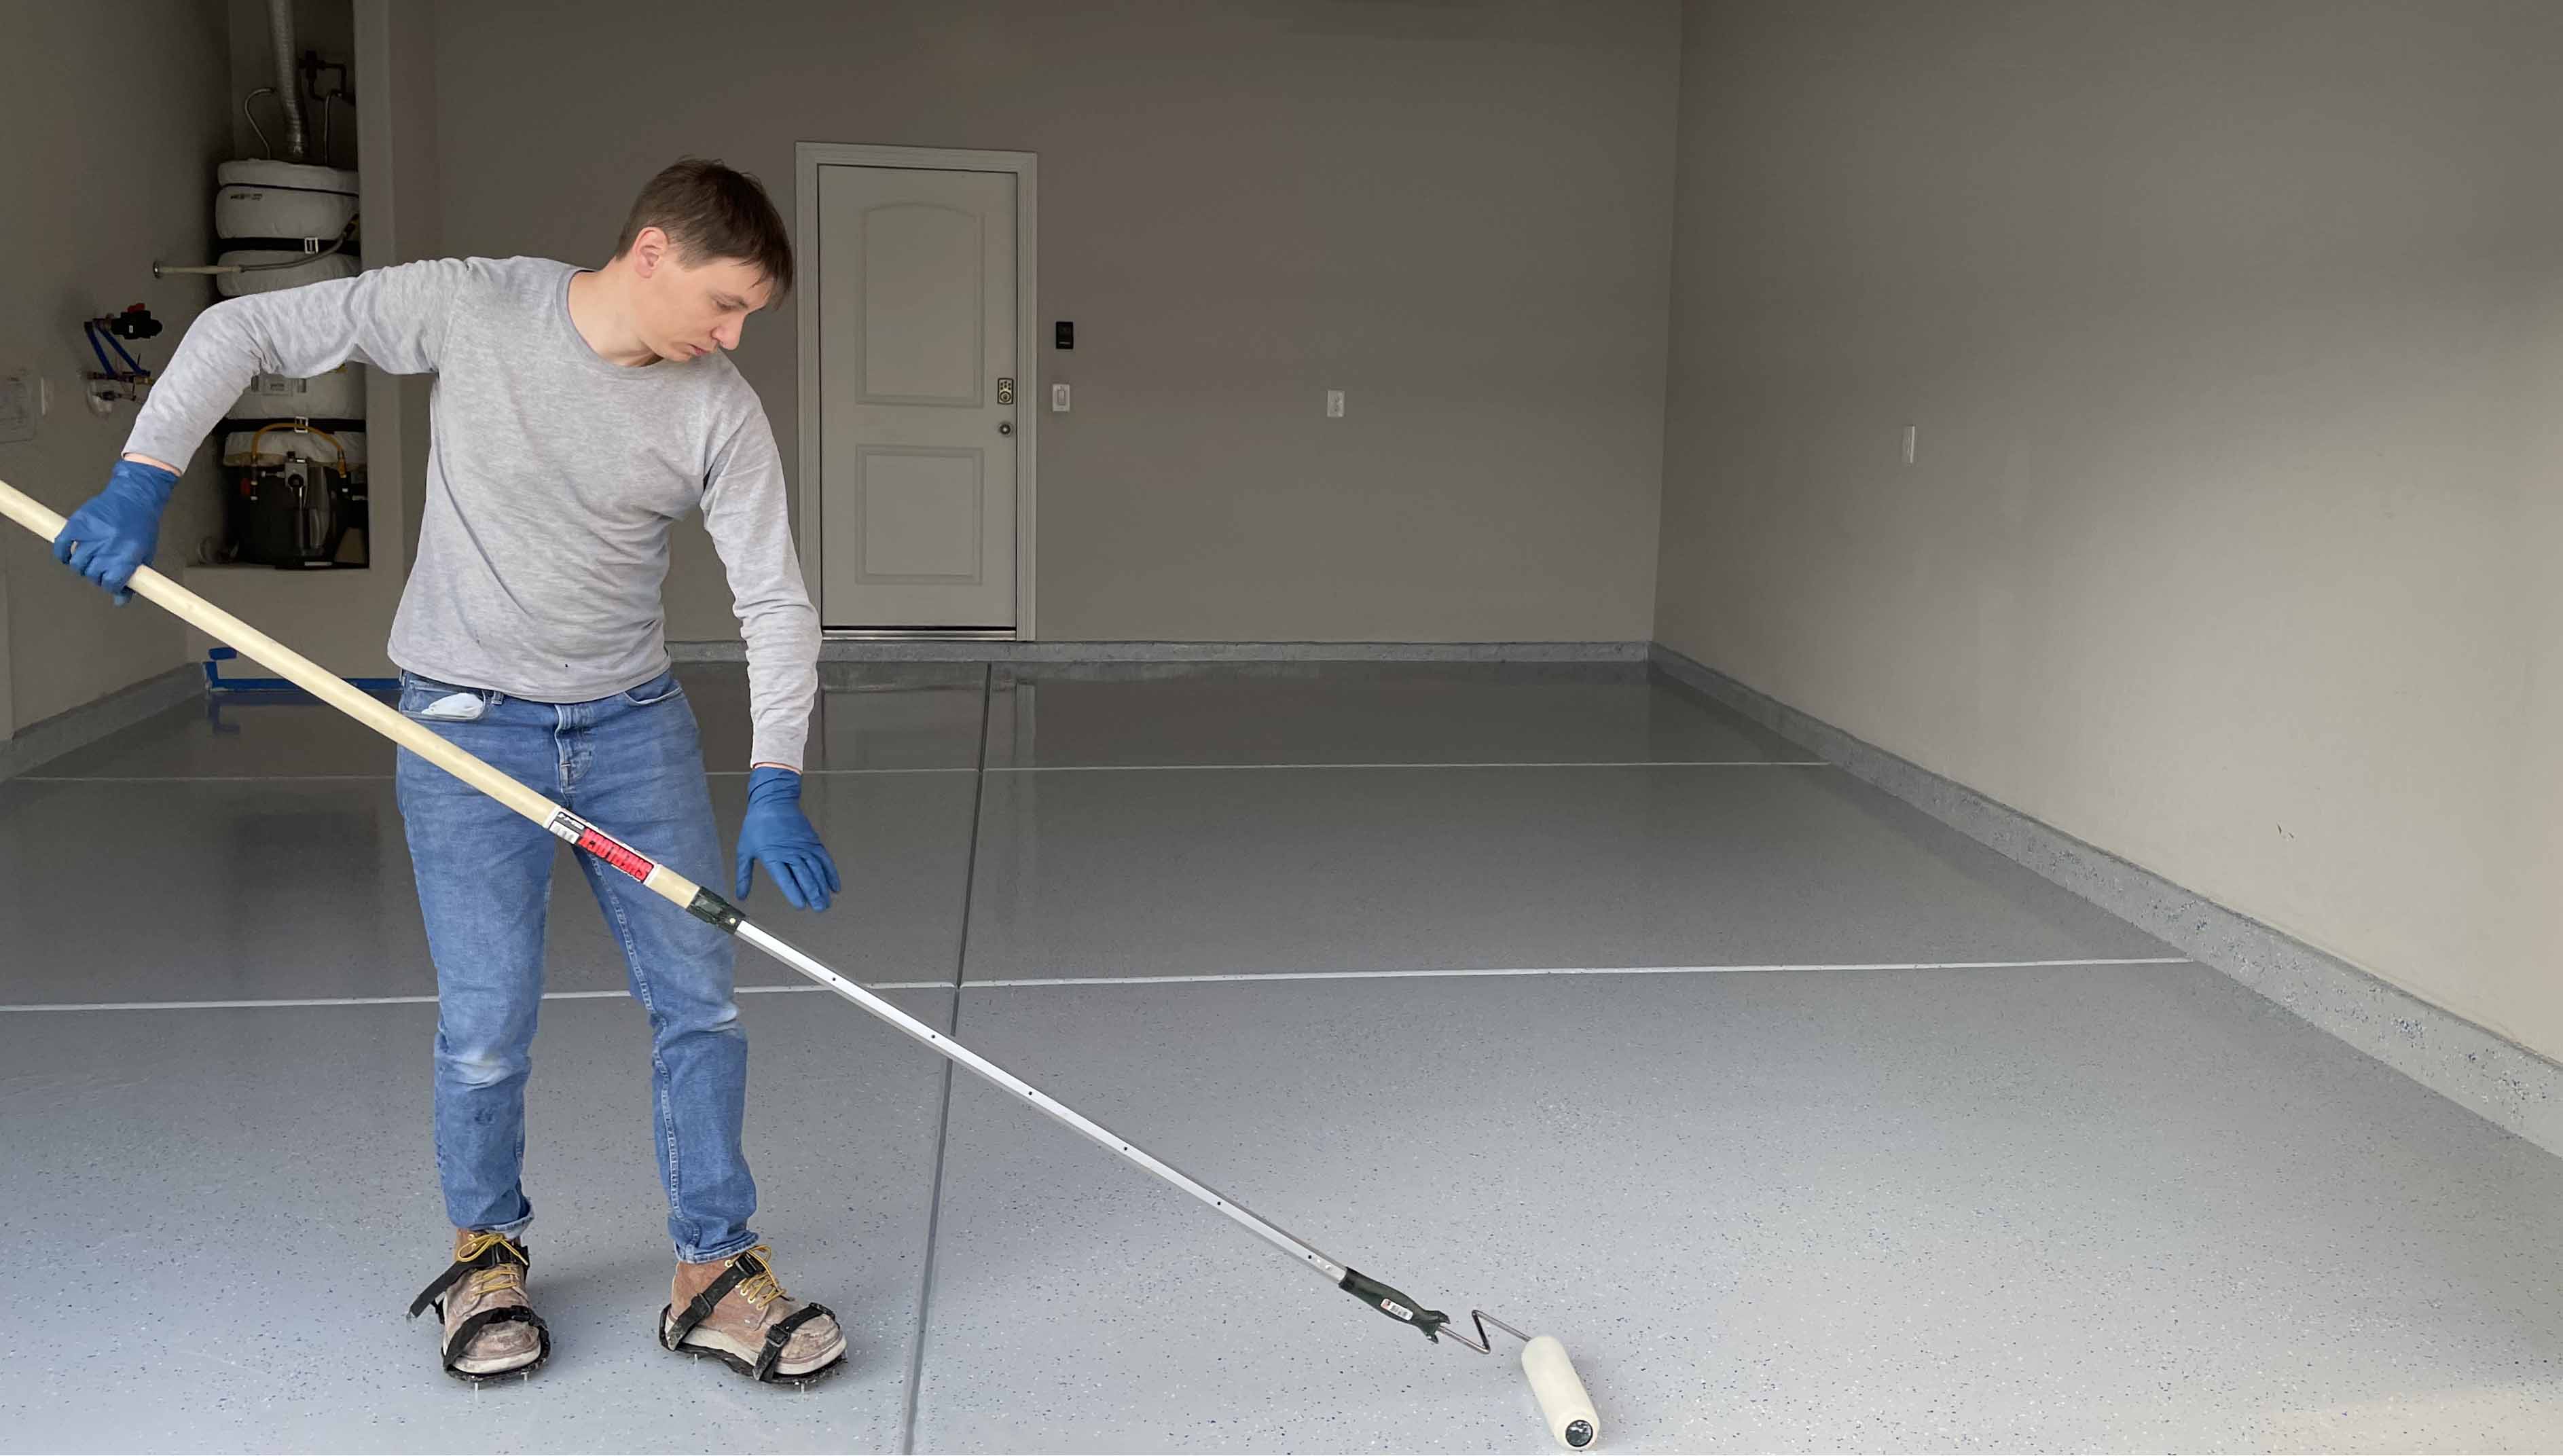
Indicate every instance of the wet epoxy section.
{"type": "Point", "coordinates": [265, 833]}
{"type": "Point", "coordinates": [2039, 1209]}
{"type": "Point", "coordinates": [869, 715]}
{"type": "Point", "coordinates": [288, 889]}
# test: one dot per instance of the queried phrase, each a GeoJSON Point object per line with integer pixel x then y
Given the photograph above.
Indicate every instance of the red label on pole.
{"type": "Point", "coordinates": [614, 854]}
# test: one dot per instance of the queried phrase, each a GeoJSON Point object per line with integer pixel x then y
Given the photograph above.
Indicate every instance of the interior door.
{"type": "Point", "coordinates": [916, 375]}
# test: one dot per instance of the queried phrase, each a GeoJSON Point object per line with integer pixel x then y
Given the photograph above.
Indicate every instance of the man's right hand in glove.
{"type": "Point", "coordinates": [115, 535]}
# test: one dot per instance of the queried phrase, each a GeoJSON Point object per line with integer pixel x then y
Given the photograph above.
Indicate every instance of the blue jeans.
{"type": "Point", "coordinates": [631, 764]}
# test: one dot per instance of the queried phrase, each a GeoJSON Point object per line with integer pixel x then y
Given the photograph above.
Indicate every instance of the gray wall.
{"type": "Point", "coordinates": [115, 117]}
{"type": "Point", "coordinates": [1456, 213]}
{"type": "Point", "coordinates": [2234, 334]}
{"type": "Point", "coordinates": [401, 140]}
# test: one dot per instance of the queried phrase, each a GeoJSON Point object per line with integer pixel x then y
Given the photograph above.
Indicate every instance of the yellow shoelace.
{"type": "Point", "coordinates": [486, 1282]}
{"type": "Point", "coordinates": [761, 1289]}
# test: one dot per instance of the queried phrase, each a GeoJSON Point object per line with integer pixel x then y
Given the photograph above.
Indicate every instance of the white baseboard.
{"type": "Point", "coordinates": [51, 738]}
{"type": "Point", "coordinates": [962, 649]}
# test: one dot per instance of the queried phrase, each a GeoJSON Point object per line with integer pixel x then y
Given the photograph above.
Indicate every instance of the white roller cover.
{"type": "Point", "coordinates": [315, 445]}
{"type": "Point", "coordinates": [318, 268]}
{"type": "Point", "coordinates": [337, 396]}
{"type": "Point", "coordinates": [282, 200]}
{"type": "Point", "coordinates": [1563, 1402]}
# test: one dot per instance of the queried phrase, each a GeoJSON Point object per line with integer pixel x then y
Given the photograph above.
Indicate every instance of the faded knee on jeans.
{"type": "Point", "coordinates": [669, 1022]}
{"type": "Point", "coordinates": [477, 1067]}
{"type": "Point", "coordinates": [674, 1034]}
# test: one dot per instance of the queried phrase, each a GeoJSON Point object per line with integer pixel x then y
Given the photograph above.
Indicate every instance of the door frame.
{"type": "Point", "coordinates": [808, 158]}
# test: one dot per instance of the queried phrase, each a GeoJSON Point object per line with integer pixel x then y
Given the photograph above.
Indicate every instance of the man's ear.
{"type": "Point", "coordinates": [649, 250]}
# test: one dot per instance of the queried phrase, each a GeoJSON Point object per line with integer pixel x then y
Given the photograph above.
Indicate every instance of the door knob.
{"type": "Point", "coordinates": [1005, 427]}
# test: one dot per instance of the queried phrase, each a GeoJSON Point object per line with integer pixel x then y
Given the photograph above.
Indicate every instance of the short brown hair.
{"type": "Point", "coordinates": [709, 211]}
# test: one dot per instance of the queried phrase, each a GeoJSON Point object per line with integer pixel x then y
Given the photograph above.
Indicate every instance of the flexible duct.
{"type": "Point", "coordinates": [289, 86]}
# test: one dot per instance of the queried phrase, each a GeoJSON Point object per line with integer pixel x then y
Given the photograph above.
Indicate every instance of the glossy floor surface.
{"type": "Point", "coordinates": [1807, 1124]}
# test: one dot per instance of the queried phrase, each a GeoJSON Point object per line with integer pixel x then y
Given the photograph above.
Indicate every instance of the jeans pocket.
{"type": "Point", "coordinates": [658, 690]}
{"type": "Point", "coordinates": [433, 702]}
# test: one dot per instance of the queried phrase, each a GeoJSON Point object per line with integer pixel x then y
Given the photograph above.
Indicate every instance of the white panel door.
{"type": "Point", "coordinates": [917, 367]}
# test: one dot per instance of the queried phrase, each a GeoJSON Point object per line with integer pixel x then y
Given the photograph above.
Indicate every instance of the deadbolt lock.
{"type": "Point", "coordinates": [1005, 391]}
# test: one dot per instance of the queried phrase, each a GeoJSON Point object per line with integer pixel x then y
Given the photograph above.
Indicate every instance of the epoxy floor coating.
{"type": "Point", "coordinates": [1553, 990]}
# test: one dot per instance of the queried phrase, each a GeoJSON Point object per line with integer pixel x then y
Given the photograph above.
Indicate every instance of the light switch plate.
{"type": "Point", "coordinates": [1059, 399]}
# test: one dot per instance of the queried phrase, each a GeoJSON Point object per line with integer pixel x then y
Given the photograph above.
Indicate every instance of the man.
{"type": "Point", "coordinates": [578, 415]}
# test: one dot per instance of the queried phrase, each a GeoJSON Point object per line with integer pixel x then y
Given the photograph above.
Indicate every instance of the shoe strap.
{"type": "Point", "coordinates": [779, 1335]}
{"type": "Point", "coordinates": [741, 1269]}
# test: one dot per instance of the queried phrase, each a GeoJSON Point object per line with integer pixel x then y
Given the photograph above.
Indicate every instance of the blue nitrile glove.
{"type": "Point", "coordinates": [115, 535]}
{"type": "Point", "coordinates": [777, 832]}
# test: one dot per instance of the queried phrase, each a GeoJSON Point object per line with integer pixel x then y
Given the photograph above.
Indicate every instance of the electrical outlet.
{"type": "Point", "coordinates": [1334, 404]}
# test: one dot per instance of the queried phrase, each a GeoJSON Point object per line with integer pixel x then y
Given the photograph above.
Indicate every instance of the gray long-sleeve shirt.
{"type": "Point", "coordinates": [553, 478]}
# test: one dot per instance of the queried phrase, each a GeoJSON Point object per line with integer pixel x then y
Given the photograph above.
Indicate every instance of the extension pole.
{"type": "Point", "coordinates": [694, 899]}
